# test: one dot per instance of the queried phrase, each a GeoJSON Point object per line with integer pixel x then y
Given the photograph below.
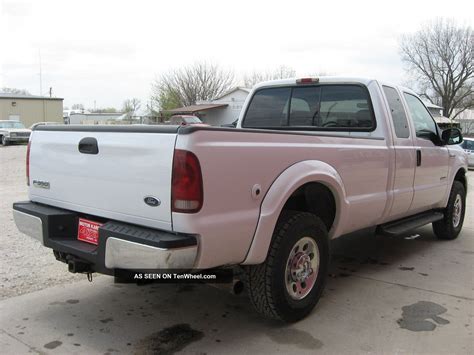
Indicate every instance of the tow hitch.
{"type": "Point", "coordinates": [74, 264]}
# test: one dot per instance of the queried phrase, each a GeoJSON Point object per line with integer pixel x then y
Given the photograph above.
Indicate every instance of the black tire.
{"type": "Point", "coordinates": [266, 282]}
{"type": "Point", "coordinates": [447, 228]}
{"type": "Point", "coordinates": [5, 142]}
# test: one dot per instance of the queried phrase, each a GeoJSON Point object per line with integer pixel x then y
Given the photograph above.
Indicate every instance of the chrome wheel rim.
{"type": "Point", "coordinates": [457, 211]}
{"type": "Point", "coordinates": [302, 268]}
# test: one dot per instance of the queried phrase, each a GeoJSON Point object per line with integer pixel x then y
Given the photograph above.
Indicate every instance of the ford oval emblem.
{"type": "Point", "coordinates": [152, 201]}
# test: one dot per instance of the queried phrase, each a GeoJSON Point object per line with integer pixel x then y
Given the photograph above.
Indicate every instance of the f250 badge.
{"type": "Point", "coordinates": [151, 201]}
{"type": "Point", "coordinates": [41, 184]}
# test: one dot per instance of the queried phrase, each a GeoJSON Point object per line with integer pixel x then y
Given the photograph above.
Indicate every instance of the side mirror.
{"type": "Point", "coordinates": [451, 136]}
{"type": "Point", "coordinates": [431, 136]}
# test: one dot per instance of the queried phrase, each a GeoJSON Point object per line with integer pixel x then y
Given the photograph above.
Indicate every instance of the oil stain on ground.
{"type": "Point", "coordinates": [168, 340]}
{"type": "Point", "coordinates": [422, 316]}
{"type": "Point", "coordinates": [53, 344]}
{"type": "Point", "coordinates": [299, 338]}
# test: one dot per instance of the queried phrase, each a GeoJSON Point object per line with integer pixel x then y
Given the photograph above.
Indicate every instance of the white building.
{"type": "Point", "coordinates": [466, 122]}
{"type": "Point", "coordinates": [222, 110]}
{"type": "Point", "coordinates": [234, 99]}
{"type": "Point", "coordinates": [437, 113]}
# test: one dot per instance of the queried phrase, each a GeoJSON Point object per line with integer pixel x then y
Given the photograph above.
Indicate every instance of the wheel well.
{"type": "Point", "coordinates": [315, 198]}
{"type": "Point", "coordinates": [461, 177]}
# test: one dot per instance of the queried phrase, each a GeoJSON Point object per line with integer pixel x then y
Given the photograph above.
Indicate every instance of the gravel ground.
{"type": "Point", "coordinates": [25, 265]}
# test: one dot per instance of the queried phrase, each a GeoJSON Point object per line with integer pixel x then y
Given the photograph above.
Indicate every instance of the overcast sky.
{"type": "Point", "coordinates": [108, 51]}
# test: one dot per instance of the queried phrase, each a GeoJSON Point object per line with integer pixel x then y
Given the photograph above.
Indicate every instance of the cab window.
{"type": "Point", "coordinates": [304, 106]}
{"type": "Point", "coordinates": [420, 115]}
{"type": "Point", "coordinates": [399, 118]}
{"type": "Point", "coordinates": [269, 108]}
{"type": "Point", "coordinates": [320, 107]}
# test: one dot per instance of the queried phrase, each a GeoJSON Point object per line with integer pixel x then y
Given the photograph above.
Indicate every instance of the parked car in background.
{"type": "Point", "coordinates": [44, 123]}
{"type": "Point", "coordinates": [13, 132]}
{"type": "Point", "coordinates": [183, 120]}
{"type": "Point", "coordinates": [468, 146]}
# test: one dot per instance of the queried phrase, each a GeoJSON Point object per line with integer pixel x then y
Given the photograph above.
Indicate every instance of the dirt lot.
{"type": "Point", "coordinates": [25, 266]}
{"type": "Point", "coordinates": [408, 294]}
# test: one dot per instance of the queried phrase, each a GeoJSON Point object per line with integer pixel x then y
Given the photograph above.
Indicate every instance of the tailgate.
{"type": "Point", "coordinates": [112, 183]}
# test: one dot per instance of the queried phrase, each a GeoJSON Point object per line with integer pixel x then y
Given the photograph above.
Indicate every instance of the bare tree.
{"type": "Point", "coordinates": [466, 124]}
{"type": "Point", "coordinates": [77, 107]}
{"type": "Point", "coordinates": [14, 91]}
{"type": "Point", "coordinates": [103, 110]}
{"type": "Point", "coordinates": [282, 72]}
{"type": "Point", "coordinates": [440, 58]}
{"type": "Point", "coordinates": [186, 86]}
{"type": "Point", "coordinates": [131, 106]}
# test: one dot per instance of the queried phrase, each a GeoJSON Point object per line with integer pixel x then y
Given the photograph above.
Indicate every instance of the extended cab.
{"type": "Point", "coordinates": [310, 160]}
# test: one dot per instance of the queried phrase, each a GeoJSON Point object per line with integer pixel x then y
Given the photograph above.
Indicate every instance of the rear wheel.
{"type": "Point", "coordinates": [5, 141]}
{"type": "Point", "coordinates": [450, 226]}
{"type": "Point", "coordinates": [290, 282]}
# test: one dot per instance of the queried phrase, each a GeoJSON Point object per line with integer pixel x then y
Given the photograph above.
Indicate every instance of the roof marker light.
{"type": "Point", "coordinates": [307, 80]}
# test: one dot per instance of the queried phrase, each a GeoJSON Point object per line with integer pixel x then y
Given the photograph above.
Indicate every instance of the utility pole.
{"type": "Point", "coordinates": [41, 74]}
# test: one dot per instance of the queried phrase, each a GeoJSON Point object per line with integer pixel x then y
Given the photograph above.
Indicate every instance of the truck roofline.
{"type": "Point", "coordinates": [322, 79]}
{"type": "Point", "coordinates": [332, 80]}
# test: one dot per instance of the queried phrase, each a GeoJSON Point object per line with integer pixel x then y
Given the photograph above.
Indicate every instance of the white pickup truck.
{"type": "Point", "coordinates": [310, 160]}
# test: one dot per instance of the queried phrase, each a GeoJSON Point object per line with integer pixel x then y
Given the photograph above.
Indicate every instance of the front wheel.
{"type": "Point", "coordinates": [290, 282]}
{"type": "Point", "coordinates": [5, 142]}
{"type": "Point", "coordinates": [450, 226]}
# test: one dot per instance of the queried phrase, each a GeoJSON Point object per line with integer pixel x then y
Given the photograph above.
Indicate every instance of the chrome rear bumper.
{"type": "Point", "coordinates": [121, 246]}
{"type": "Point", "coordinates": [30, 225]}
{"type": "Point", "coordinates": [124, 254]}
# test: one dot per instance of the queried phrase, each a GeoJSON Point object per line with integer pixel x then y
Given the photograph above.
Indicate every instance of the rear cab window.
{"type": "Point", "coordinates": [268, 108]}
{"type": "Point", "coordinates": [397, 111]}
{"type": "Point", "coordinates": [332, 107]}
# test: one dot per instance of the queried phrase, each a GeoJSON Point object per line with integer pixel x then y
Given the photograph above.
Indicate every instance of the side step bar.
{"type": "Point", "coordinates": [409, 223]}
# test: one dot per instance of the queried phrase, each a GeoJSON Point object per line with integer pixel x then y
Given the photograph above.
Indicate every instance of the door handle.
{"type": "Point", "coordinates": [88, 145]}
{"type": "Point", "coordinates": [418, 157]}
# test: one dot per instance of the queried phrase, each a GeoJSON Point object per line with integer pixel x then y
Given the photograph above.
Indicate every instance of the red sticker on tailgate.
{"type": "Point", "coordinates": [88, 231]}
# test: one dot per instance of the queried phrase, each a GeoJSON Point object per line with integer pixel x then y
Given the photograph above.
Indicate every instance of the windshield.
{"type": "Point", "coordinates": [468, 144]}
{"type": "Point", "coordinates": [11, 125]}
{"type": "Point", "coordinates": [192, 120]}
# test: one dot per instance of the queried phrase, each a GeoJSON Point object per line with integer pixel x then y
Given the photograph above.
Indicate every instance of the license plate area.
{"type": "Point", "coordinates": [88, 231]}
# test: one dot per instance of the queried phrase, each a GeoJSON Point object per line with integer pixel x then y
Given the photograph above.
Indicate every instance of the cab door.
{"type": "Point", "coordinates": [432, 159]}
{"type": "Point", "coordinates": [405, 155]}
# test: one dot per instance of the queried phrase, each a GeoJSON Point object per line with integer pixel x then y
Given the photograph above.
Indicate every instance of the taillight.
{"type": "Point", "coordinates": [186, 183]}
{"type": "Point", "coordinates": [28, 163]}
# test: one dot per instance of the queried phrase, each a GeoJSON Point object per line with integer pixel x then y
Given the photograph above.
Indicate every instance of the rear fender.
{"type": "Point", "coordinates": [282, 188]}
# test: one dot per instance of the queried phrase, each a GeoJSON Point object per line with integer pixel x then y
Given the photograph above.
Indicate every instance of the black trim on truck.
{"type": "Point", "coordinates": [275, 130]}
{"type": "Point", "coordinates": [59, 232]}
{"type": "Point", "coordinates": [189, 129]}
